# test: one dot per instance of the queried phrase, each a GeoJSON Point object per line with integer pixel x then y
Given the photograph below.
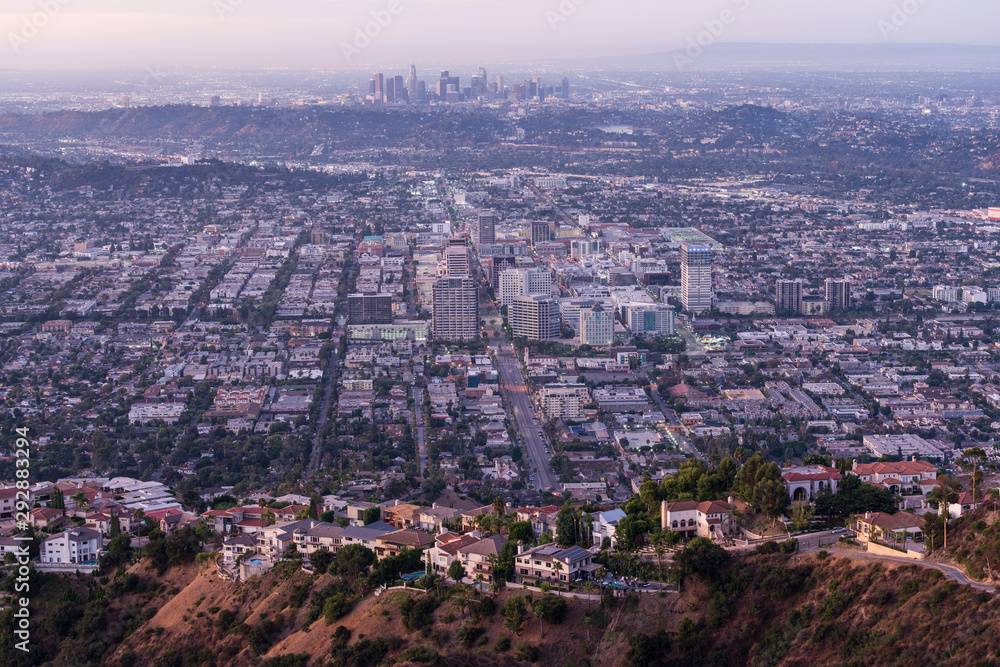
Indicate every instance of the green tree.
{"type": "Point", "coordinates": [702, 557]}
{"type": "Point", "coordinates": [515, 613]}
{"type": "Point", "coordinates": [371, 515]}
{"type": "Point", "coordinates": [321, 560]}
{"type": "Point", "coordinates": [456, 571]}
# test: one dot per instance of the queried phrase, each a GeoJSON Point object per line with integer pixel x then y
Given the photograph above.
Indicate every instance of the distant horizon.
{"type": "Point", "coordinates": [541, 62]}
{"type": "Point", "coordinates": [341, 34]}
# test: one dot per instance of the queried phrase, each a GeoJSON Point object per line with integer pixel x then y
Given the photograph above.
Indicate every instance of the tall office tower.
{"type": "Point", "coordinates": [696, 278]}
{"type": "Point", "coordinates": [838, 294]}
{"type": "Point", "coordinates": [597, 327]}
{"type": "Point", "coordinates": [378, 90]}
{"type": "Point", "coordinates": [447, 84]}
{"type": "Point", "coordinates": [486, 228]}
{"type": "Point", "coordinates": [788, 296]}
{"type": "Point", "coordinates": [456, 256]}
{"type": "Point", "coordinates": [369, 309]}
{"type": "Point", "coordinates": [565, 88]}
{"type": "Point", "coordinates": [541, 231]}
{"type": "Point", "coordinates": [524, 282]}
{"type": "Point", "coordinates": [535, 317]}
{"type": "Point", "coordinates": [497, 264]}
{"type": "Point", "coordinates": [413, 83]}
{"type": "Point", "coordinates": [421, 91]}
{"type": "Point", "coordinates": [390, 90]}
{"type": "Point", "coordinates": [401, 92]}
{"type": "Point", "coordinates": [539, 86]}
{"type": "Point", "coordinates": [455, 306]}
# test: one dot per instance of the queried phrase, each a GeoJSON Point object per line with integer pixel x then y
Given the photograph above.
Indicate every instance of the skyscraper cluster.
{"type": "Point", "coordinates": [383, 89]}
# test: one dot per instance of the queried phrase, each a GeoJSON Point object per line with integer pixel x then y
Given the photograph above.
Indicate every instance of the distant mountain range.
{"type": "Point", "coordinates": [850, 57]}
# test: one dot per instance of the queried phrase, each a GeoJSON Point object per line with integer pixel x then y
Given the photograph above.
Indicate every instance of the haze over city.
{"type": "Point", "coordinates": [115, 34]}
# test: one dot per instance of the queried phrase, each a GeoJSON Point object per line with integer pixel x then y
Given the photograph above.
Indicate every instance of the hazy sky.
{"type": "Point", "coordinates": [168, 34]}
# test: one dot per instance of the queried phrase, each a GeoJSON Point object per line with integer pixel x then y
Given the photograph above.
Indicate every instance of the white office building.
{"type": "Point", "coordinates": [696, 278]}
{"type": "Point", "coordinates": [524, 282]}
{"type": "Point", "coordinates": [597, 327]}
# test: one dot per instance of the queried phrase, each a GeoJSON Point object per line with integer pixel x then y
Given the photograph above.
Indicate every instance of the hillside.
{"type": "Point", "coordinates": [802, 609]}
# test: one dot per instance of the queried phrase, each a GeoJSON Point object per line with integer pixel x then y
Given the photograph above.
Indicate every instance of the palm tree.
{"type": "Point", "coordinates": [659, 549]}
{"type": "Point", "coordinates": [268, 518]}
{"type": "Point", "coordinates": [975, 454]}
{"type": "Point", "coordinates": [740, 455]}
{"type": "Point", "coordinates": [589, 588]}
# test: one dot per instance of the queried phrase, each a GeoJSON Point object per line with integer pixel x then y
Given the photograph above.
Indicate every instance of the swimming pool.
{"type": "Point", "coordinates": [256, 561]}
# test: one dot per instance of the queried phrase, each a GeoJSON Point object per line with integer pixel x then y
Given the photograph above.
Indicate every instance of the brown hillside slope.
{"type": "Point", "coordinates": [773, 610]}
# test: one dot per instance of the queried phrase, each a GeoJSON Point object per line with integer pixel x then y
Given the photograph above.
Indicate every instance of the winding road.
{"type": "Point", "coordinates": [949, 571]}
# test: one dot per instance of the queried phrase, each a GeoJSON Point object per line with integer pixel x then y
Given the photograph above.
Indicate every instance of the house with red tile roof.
{"type": "Point", "coordinates": [711, 518]}
{"type": "Point", "coordinates": [806, 483]}
{"type": "Point", "coordinates": [898, 476]}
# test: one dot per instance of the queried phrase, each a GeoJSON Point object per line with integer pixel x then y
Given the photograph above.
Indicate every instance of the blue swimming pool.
{"type": "Point", "coordinates": [256, 561]}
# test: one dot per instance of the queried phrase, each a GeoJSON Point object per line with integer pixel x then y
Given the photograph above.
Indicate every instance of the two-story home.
{"type": "Point", "coordinates": [711, 518]}
{"type": "Point", "coordinates": [321, 537]}
{"type": "Point", "coordinates": [276, 540]}
{"type": "Point", "coordinates": [478, 558]}
{"type": "Point", "coordinates": [80, 545]}
{"type": "Point", "coordinates": [401, 515]}
{"type": "Point", "coordinates": [553, 563]}
{"type": "Point", "coordinates": [604, 526]}
{"type": "Point", "coordinates": [432, 519]}
{"type": "Point", "coordinates": [236, 546]}
{"type": "Point", "coordinates": [445, 550]}
{"type": "Point", "coordinates": [806, 483]}
{"type": "Point", "coordinates": [102, 520]}
{"type": "Point", "coordinates": [908, 477]}
{"type": "Point", "coordinates": [391, 544]}
{"type": "Point", "coordinates": [543, 519]}
{"type": "Point", "coordinates": [365, 535]}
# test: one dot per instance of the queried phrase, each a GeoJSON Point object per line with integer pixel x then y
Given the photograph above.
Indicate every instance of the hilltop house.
{"type": "Point", "coordinates": [690, 518]}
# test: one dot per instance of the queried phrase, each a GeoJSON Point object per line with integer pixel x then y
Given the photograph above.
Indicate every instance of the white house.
{"type": "Point", "coordinates": [693, 519]}
{"type": "Point", "coordinates": [964, 505]}
{"type": "Point", "coordinates": [80, 545]}
{"type": "Point", "coordinates": [604, 526]}
{"type": "Point", "coordinates": [808, 482]}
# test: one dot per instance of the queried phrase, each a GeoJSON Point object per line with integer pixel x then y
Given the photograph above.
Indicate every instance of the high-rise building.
{"type": "Point", "coordinates": [597, 327]}
{"type": "Point", "coordinates": [535, 317]}
{"type": "Point", "coordinates": [541, 231]}
{"type": "Point", "coordinates": [838, 294]}
{"type": "Point", "coordinates": [564, 400]}
{"type": "Point", "coordinates": [378, 87]}
{"type": "Point", "coordinates": [456, 256]}
{"type": "Point", "coordinates": [413, 83]}
{"type": "Point", "coordinates": [400, 94]}
{"type": "Point", "coordinates": [486, 228]}
{"type": "Point", "coordinates": [651, 319]}
{"type": "Point", "coordinates": [696, 278]}
{"type": "Point", "coordinates": [369, 309]}
{"type": "Point", "coordinates": [788, 296]}
{"type": "Point", "coordinates": [455, 304]}
{"type": "Point", "coordinates": [565, 88]}
{"type": "Point", "coordinates": [495, 265]}
{"type": "Point", "coordinates": [524, 282]}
